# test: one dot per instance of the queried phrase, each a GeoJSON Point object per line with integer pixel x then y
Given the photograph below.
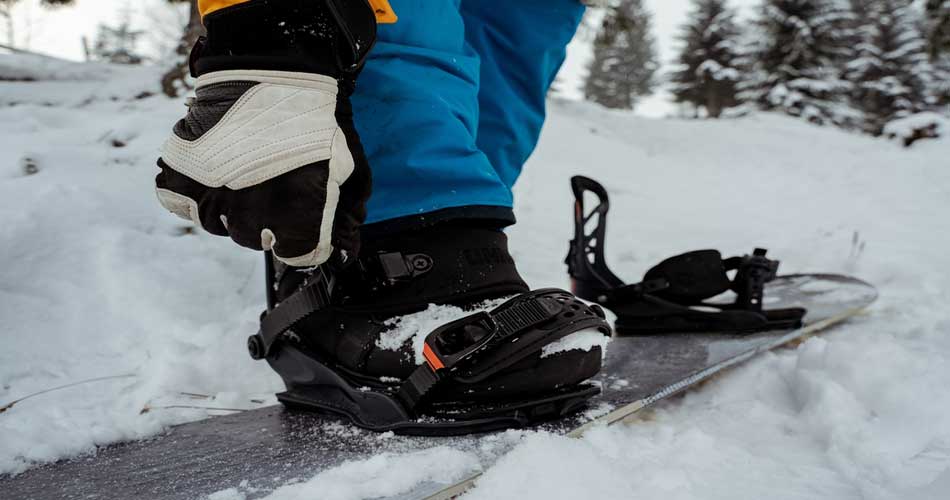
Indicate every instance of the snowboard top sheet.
{"type": "Point", "coordinates": [259, 450]}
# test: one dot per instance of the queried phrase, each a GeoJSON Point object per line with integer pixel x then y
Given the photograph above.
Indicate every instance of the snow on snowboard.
{"type": "Point", "coordinates": [258, 451]}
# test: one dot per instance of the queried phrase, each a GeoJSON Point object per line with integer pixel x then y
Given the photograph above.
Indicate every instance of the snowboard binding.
{"type": "Point", "coordinates": [483, 372]}
{"type": "Point", "coordinates": [673, 296]}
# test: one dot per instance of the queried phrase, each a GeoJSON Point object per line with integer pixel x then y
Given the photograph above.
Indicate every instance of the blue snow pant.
{"type": "Point", "coordinates": [451, 102]}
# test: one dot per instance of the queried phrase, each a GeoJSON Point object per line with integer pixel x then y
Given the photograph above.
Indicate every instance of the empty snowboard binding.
{"type": "Point", "coordinates": [672, 298]}
{"type": "Point", "coordinates": [483, 372]}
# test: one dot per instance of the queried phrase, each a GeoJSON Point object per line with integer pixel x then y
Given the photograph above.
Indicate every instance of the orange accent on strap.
{"type": "Point", "coordinates": [434, 362]}
{"type": "Point", "coordinates": [384, 12]}
{"type": "Point", "coordinates": [206, 7]}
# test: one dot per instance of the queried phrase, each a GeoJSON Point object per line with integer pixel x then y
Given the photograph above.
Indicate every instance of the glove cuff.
{"type": "Point", "coordinates": [328, 37]}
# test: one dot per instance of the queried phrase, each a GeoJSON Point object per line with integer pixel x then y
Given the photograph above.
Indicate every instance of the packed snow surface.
{"type": "Point", "coordinates": [384, 474]}
{"type": "Point", "coordinates": [31, 67]}
{"type": "Point", "coordinates": [100, 284]}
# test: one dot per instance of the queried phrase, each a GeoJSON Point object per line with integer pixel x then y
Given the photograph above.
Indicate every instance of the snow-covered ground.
{"type": "Point", "coordinates": [99, 281]}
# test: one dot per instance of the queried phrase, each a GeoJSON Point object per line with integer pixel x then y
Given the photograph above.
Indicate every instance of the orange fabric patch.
{"type": "Point", "coordinates": [434, 362]}
{"type": "Point", "coordinates": [208, 6]}
{"type": "Point", "coordinates": [384, 12]}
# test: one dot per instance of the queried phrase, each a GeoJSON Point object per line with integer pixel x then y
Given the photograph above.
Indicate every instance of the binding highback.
{"type": "Point", "coordinates": [672, 298]}
{"type": "Point", "coordinates": [590, 276]}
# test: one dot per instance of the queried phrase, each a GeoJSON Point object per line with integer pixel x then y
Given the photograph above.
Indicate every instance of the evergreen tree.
{"type": "Point", "coordinates": [708, 64]}
{"type": "Point", "coordinates": [175, 81]}
{"type": "Point", "coordinates": [796, 60]}
{"type": "Point", "coordinates": [938, 41]}
{"type": "Point", "coordinates": [625, 60]}
{"type": "Point", "coordinates": [892, 74]}
{"type": "Point", "coordinates": [117, 44]}
{"type": "Point", "coordinates": [938, 27]}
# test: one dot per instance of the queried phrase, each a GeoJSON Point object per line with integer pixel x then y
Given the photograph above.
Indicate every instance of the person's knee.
{"type": "Point", "coordinates": [426, 24]}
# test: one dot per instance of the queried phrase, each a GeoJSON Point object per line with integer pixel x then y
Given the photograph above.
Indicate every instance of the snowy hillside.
{"type": "Point", "coordinates": [99, 281]}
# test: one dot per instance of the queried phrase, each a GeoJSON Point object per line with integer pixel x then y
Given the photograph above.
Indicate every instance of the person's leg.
{"type": "Point", "coordinates": [521, 44]}
{"type": "Point", "coordinates": [416, 109]}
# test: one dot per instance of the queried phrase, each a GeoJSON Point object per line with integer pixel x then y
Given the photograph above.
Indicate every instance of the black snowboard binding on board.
{"type": "Point", "coordinates": [323, 328]}
{"type": "Point", "coordinates": [673, 294]}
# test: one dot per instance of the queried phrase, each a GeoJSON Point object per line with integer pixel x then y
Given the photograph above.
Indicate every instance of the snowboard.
{"type": "Point", "coordinates": [260, 450]}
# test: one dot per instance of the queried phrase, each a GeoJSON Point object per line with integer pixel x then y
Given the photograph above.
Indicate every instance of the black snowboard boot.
{"type": "Point", "coordinates": [330, 334]}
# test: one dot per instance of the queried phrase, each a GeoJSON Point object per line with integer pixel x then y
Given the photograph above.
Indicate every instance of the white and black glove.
{"type": "Point", "coordinates": [267, 153]}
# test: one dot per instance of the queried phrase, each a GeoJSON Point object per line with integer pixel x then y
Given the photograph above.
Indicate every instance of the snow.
{"type": "Point", "coordinates": [908, 126]}
{"type": "Point", "coordinates": [383, 475]}
{"type": "Point", "coordinates": [717, 71]}
{"type": "Point", "coordinates": [584, 340]}
{"type": "Point", "coordinates": [100, 281]}
{"type": "Point", "coordinates": [35, 68]}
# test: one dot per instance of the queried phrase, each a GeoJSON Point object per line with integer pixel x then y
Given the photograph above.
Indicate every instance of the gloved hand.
{"type": "Point", "coordinates": [269, 155]}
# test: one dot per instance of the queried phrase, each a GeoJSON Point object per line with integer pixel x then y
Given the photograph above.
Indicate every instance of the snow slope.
{"type": "Point", "coordinates": [98, 281]}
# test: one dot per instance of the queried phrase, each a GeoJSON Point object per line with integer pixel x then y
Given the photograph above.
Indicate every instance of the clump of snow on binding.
{"type": "Point", "coordinates": [413, 328]}
{"type": "Point", "coordinates": [584, 340]}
